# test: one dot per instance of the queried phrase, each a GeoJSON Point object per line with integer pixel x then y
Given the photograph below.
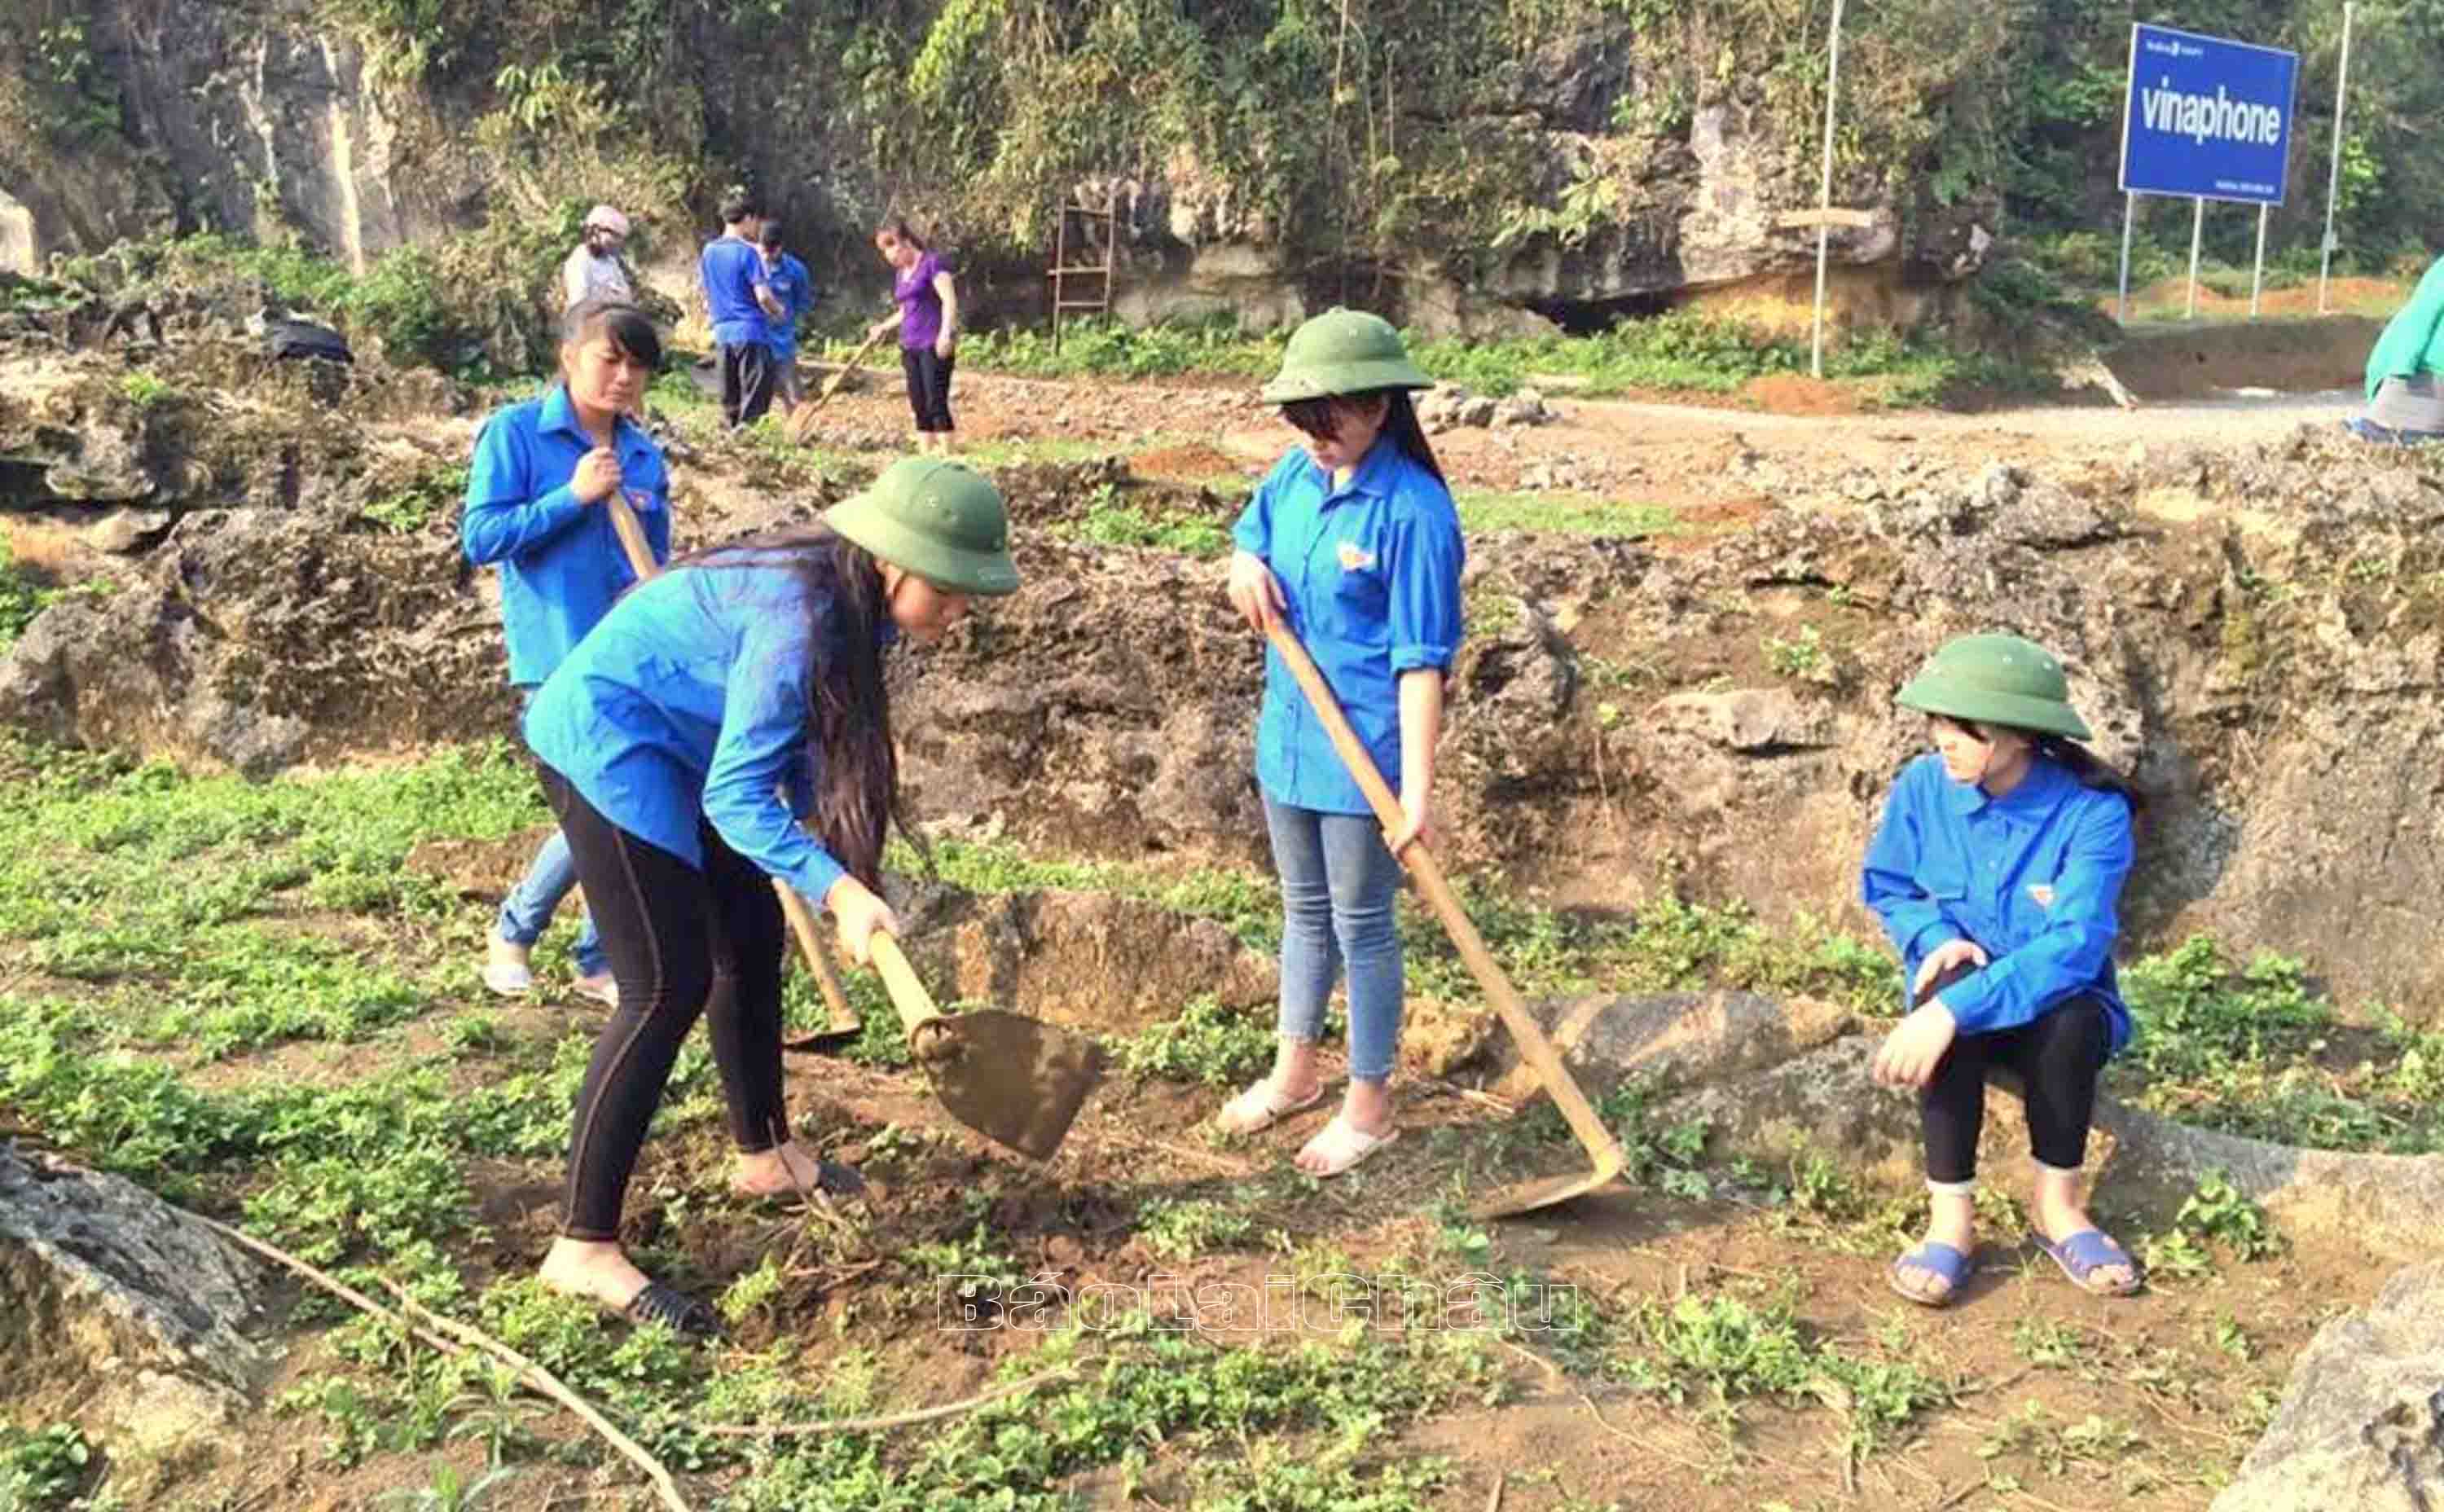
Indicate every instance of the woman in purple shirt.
{"type": "Point", "coordinates": [927, 319]}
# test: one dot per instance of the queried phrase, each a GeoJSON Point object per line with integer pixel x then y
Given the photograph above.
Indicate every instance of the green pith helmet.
{"type": "Point", "coordinates": [1996, 680]}
{"type": "Point", "coordinates": [937, 520]}
{"type": "Point", "coordinates": [1343, 352]}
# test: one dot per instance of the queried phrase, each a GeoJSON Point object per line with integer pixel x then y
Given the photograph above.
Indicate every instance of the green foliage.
{"type": "Point", "coordinates": [1206, 1043]}
{"type": "Point", "coordinates": [1128, 524]}
{"type": "Point", "coordinates": [1737, 1350]}
{"type": "Point", "coordinates": [143, 390]}
{"type": "Point", "coordinates": [2220, 1212]}
{"type": "Point", "coordinates": [431, 496]}
{"type": "Point", "coordinates": [22, 597]}
{"type": "Point", "coordinates": [1184, 1230]}
{"type": "Point", "coordinates": [42, 1468]}
{"type": "Point", "coordinates": [2253, 1049]}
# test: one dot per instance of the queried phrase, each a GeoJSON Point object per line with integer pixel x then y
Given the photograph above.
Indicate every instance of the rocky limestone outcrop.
{"type": "Point", "coordinates": [126, 1315]}
{"type": "Point", "coordinates": [2362, 1424]}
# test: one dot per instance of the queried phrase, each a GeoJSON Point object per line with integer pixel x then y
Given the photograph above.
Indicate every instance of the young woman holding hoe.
{"type": "Point", "coordinates": [740, 688]}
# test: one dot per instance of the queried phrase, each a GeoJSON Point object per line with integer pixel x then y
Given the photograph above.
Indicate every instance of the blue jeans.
{"type": "Point", "coordinates": [527, 910]}
{"type": "Point", "coordinates": [1338, 882]}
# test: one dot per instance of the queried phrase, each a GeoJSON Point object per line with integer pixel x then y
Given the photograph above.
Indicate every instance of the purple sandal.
{"type": "Point", "coordinates": [1939, 1258]}
{"type": "Point", "coordinates": [2084, 1253]}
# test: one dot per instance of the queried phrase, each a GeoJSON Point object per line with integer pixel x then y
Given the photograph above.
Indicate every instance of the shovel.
{"type": "Point", "coordinates": [1004, 1075]}
{"type": "Point", "coordinates": [801, 419]}
{"type": "Point", "coordinates": [845, 1024]}
{"type": "Point", "coordinates": [1534, 1047]}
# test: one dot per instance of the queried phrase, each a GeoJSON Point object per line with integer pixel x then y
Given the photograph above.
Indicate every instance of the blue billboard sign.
{"type": "Point", "coordinates": [2205, 117]}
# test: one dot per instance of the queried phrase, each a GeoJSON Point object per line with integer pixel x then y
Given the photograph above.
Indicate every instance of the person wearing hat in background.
{"type": "Point", "coordinates": [665, 741]}
{"type": "Point", "coordinates": [1997, 870]}
{"type": "Point", "coordinates": [1352, 541]}
{"type": "Point", "coordinates": [738, 301]}
{"type": "Point", "coordinates": [594, 269]}
{"type": "Point", "coordinates": [793, 289]}
{"type": "Point", "coordinates": [534, 495]}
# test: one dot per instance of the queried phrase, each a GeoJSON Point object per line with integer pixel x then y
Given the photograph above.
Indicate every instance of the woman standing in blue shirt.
{"type": "Point", "coordinates": [541, 472]}
{"type": "Point", "coordinates": [1997, 870]}
{"type": "Point", "coordinates": [666, 740]}
{"type": "Point", "coordinates": [1354, 542]}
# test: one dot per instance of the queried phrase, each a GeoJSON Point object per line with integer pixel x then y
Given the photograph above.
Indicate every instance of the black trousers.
{"type": "Point", "coordinates": [2057, 1058]}
{"type": "Point", "coordinates": [929, 386]}
{"type": "Point", "coordinates": [683, 944]}
{"type": "Point", "coordinates": [749, 376]}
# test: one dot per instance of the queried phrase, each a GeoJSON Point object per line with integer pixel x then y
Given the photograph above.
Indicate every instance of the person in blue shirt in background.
{"type": "Point", "coordinates": [668, 741]}
{"type": "Point", "coordinates": [738, 301]}
{"type": "Point", "coordinates": [1353, 543]}
{"type": "Point", "coordinates": [793, 289]}
{"type": "Point", "coordinates": [1997, 870]}
{"type": "Point", "coordinates": [541, 472]}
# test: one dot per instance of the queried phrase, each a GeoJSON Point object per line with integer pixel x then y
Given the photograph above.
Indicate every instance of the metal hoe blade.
{"type": "Point", "coordinates": [1009, 1078]}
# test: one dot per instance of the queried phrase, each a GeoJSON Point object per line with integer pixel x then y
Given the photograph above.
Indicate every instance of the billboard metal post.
{"type": "Point", "coordinates": [2129, 213]}
{"type": "Point", "coordinates": [1825, 198]}
{"type": "Point", "coordinates": [2334, 169]}
{"type": "Point", "coordinates": [2257, 281]}
{"type": "Point", "coordinates": [2197, 229]}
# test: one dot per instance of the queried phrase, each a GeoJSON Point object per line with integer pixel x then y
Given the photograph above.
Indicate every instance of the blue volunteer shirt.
{"type": "Point", "coordinates": [2033, 877]}
{"type": "Point", "coordinates": [560, 559]}
{"type": "Point", "coordinates": [795, 288]}
{"type": "Point", "coordinates": [731, 269]}
{"type": "Point", "coordinates": [1371, 573]}
{"type": "Point", "coordinates": [688, 706]}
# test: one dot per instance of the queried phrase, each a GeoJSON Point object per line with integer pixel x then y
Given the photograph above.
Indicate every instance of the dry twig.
{"type": "Point", "coordinates": [875, 1425]}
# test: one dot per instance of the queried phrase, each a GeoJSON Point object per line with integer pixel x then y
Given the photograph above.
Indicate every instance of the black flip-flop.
{"type": "Point", "coordinates": [832, 1179]}
{"type": "Point", "coordinates": [676, 1309]}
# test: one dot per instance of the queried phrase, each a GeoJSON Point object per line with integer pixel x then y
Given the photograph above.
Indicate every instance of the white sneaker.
{"type": "Point", "coordinates": [504, 968]}
{"type": "Point", "coordinates": [603, 989]}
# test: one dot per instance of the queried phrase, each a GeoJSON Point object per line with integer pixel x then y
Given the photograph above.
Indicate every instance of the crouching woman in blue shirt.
{"type": "Point", "coordinates": [1997, 870]}
{"type": "Point", "coordinates": [666, 739]}
{"type": "Point", "coordinates": [1353, 542]}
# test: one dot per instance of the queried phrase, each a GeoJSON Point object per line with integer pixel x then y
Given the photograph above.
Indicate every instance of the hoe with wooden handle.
{"type": "Point", "coordinates": [1002, 1074]}
{"type": "Point", "coordinates": [801, 419]}
{"type": "Point", "coordinates": [844, 1024]}
{"type": "Point", "coordinates": [1534, 1047]}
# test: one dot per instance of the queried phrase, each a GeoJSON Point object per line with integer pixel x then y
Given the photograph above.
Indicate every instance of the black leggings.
{"type": "Point", "coordinates": [2057, 1057]}
{"type": "Point", "coordinates": [682, 943]}
{"type": "Point", "coordinates": [929, 386]}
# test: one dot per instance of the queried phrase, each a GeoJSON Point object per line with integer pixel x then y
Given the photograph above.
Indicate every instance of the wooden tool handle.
{"type": "Point", "coordinates": [907, 990]}
{"type": "Point", "coordinates": [630, 532]}
{"type": "Point", "coordinates": [1533, 1043]}
{"type": "Point", "coordinates": [810, 945]}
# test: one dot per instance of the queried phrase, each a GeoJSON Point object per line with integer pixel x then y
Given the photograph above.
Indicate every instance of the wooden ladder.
{"type": "Point", "coordinates": [1091, 228]}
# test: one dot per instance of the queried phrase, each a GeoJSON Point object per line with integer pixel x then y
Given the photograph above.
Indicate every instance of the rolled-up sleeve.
{"type": "Point", "coordinates": [504, 517]}
{"type": "Point", "coordinates": [2070, 954]}
{"type": "Point", "coordinates": [1427, 556]}
{"type": "Point", "coordinates": [761, 755]}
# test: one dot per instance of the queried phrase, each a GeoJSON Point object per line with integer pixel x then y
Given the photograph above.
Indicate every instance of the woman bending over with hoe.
{"type": "Point", "coordinates": [664, 739]}
{"type": "Point", "coordinates": [1352, 543]}
{"type": "Point", "coordinates": [1997, 870]}
{"type": "Point", "coordinates": [534, 505]}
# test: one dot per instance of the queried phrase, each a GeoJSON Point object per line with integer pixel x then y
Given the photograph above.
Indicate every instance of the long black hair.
{"type": "Point", "coordinates": [1316, 417]}
{"type": "Point", "coordinates": [2091, 769]}
{"type": "Point", "coordinates": [848, 738]}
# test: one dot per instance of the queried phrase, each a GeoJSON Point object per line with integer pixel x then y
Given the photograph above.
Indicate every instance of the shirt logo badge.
{"type": "Point", "coordinates": [2043, 895]}
{"type": "Point", "coordinates": [1354, 558]}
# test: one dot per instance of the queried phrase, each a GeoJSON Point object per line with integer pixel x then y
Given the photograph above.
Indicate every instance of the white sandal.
{"type": "Point", "coordinates": [1344, 1144]}
{"type": "Point", "coordinates": [1259, 1108]}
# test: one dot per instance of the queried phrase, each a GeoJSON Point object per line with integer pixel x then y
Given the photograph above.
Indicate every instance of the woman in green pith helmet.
{"type": "Point", "coordinates": [1353, 543]}
{"type": "Point", "coordinates": [1997, 870]}
{"type": "Point", "coordinates": [664, 739]}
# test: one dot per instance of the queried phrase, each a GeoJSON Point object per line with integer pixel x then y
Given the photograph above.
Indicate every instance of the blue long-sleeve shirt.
{"type": "Point", "coordinates": [560, 559]}
{"type": "Point", "coordinates": [795, 288]}
{"type": "Point", "coordinates": [1371, 574]}
{"type": "Point", "coordinates": [2034, 878]}
{"type": "Point", "coordinates": [689, 704]}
